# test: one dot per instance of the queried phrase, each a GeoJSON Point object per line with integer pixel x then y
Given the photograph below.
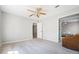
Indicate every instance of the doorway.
{"type": "Point", "coordinates": [34, 30]}
{"type": "Point", "coordinates": [37, 30]}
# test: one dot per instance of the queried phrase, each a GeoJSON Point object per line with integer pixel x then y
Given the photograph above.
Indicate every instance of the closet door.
{"type": "Point", "coordinates": [39, 30]}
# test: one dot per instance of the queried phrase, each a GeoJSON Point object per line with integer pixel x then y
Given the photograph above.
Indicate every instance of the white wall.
{"type": "Point", "coordinates": [51, 25]}
{"type": "Point", "coordinates": [50, 29]}
{"type": "Point", "coordinates": [16, 28]}
{"type": "Point", "coordinates": [70, 27]}
{"type": "Point", "coordinates": [0, 24]}
{"type": "Point", "coordinates": [0, 27]}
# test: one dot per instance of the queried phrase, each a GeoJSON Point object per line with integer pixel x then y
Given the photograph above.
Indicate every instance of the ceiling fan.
{"type": "Point", "coordinates": [38, 12]}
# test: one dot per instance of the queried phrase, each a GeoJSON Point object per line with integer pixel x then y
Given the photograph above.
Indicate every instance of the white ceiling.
{"type": "Point", "coordinates": [21, 10]}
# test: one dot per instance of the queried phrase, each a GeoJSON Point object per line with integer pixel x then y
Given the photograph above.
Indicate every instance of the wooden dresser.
{"type": "Point", "coordinates": [71, 42]}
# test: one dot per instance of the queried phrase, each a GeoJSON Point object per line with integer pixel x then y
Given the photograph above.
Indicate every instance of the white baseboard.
{"type": "Point", "coordinates": [13, 41]}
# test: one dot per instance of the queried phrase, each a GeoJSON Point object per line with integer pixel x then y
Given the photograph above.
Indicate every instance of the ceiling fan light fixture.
{"type": "Point", "coordinates": [38, 12]}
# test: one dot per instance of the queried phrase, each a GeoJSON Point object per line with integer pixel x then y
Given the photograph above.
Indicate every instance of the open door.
{"type": "Point", "coordinates": [37, 30]}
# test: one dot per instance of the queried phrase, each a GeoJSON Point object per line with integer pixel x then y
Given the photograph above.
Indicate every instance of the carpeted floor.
{"type": "Point", "coordinates": [36, 46]}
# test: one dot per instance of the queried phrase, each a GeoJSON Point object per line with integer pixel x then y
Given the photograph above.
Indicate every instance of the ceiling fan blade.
{"type": "Point", "coordinates": [38, 16]}
{"type": "Point", "coordinates": [30, 10]}
{"type": "Point", "coordinates": [31, 15]}
{"type": "Point", "coordinates": [43, 13]}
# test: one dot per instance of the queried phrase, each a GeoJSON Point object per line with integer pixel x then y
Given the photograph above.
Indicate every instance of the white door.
{"type": "Point", "coordinates": [39, 30]}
